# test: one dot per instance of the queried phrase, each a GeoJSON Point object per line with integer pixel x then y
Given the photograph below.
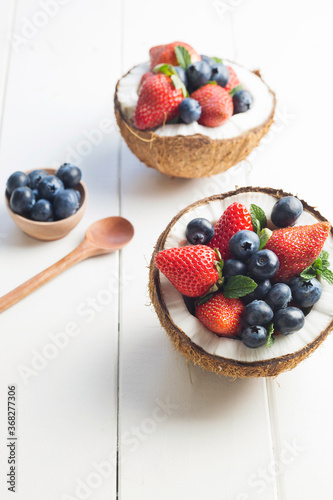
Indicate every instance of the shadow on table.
{"type": "Point", "coordinates": [153, 371]}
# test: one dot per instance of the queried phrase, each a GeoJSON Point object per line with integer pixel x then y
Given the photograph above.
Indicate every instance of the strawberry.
{"type": "Point", "coordinates": [221, 315]}
{"type": "Point", "coordinates": [233, 80]}
{"type": "Point", "coordinates": [166, 54]}
{"type": "Point", "coordinates": [145, 77]}
{"type": "Point", "coordinates": [297, 248]}
{"type": "Point", "coordinates": [158, 102]}
{"type": "Point", "coordinates": [216, 105]}
{"type": "Point", "coordinates": [235, 218]}
{"type": "Point", "coordinates": [190, 269]}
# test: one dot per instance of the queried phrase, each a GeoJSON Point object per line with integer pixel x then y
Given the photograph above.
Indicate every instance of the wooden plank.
{"type": "Point", "coordinates": [7, 13]}
{"type": "Point", "coordinates": [294, 156]}
{"type": "Point", "coordinates": [184, 433]}
{"type": "Point", "coordinates": [59, 345]}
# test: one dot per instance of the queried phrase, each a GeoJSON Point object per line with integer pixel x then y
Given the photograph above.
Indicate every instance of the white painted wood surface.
{"type": "Point", "coordinates": [181, 433]}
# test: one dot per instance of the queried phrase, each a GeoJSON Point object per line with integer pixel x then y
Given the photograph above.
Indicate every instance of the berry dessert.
{"type": "Point", "coordinates": [43, 197]}
{"type": "Point", "coordinates": [241, 282]}
{"type": "Point", "coordinates": [191, 115]}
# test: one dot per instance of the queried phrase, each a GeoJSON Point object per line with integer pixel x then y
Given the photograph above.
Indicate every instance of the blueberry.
{"type": "Point", "coordinates": [208, 60]}
{"type": "Point", "coordinates": [198, 74]}
{"type": "Point", "coordinates": [220, 74]}
{"type": "Point", "coordinates": [305, 293]}
{"type": "Point", "coordinates": [257, 312]}
{"type": "Point", "coordinates": [22, 200]}
{"type": "Point", "coordinates": [199, 231]}
{"type": "Point", "coordinates": [69, 175]}
{"type": "Point", "coordinates": [263, 264]}
{"type": "Point", "coordinates": [286, 211]}
{"type": "Point", "coordinates": [263, 287]}
{"type": "Point", "coordinates": [242, 101]}
{"type": "Point", "coordinates": [189, 110]}
{"type": "Point", "coordinates": [182, 75]}
{"type": "Point", "coordinates": [78, 194]}
{"type": "Point", "coordinates": [243, 244]}
{"type": "Point", "coordinates": [233, 267]}
{"type": "Point", "coordinates": [65, 204]}
{"type": "Point", "coordinates": [288, 320]}
{"type": "Point", "coordinates": [17, 179]}
{"type": "Point", "coordinates": [49, 186]}
{"type": "Point", "coordinates": [279, 296]}
{"type": "Point", "coordinates": [42, 211]}
{"type": "Point", "coordinates": [254, 336]}
{"type": "Point", "coordinates": [35, 177]}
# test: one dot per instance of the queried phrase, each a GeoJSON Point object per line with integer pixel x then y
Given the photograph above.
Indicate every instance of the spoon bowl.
{"type": "Point", "coordinates": [109, 234]}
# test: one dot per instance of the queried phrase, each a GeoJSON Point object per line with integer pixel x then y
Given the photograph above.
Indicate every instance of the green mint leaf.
{"type": "Point", "coordinates": [211, 82]}
{"type": "Point", "coordinates": [256, 225]}
{"type": "Point", "coordinates": [167, 69]}
{"type": "Point", "coordinates": [235, 89]}
{"type": "Point", "coordinates": [324, 255]}
{"type": "Point", "coordinates": [317, 264]}
{"type": "Point", "coordinates": [270, 338]}
{"type": "Point", "coordinates": [217, 60]}
{"type": "Point", "coordinates": [325, 265]}
{"type": "Point", "coordinates": [328, 276]}
{"type": "Point", "coordinates": [238, 286]}
{"type": "Point", "coordinates": [308, 273]}
{"type": "Point", "coordinates": [179, 85]}
{"type": "Point", "coordinates": [258, 213]}
{"type": "Point", "coordinates": [183, 56]}
{"type": "Point", "coordinates": [264, 236]}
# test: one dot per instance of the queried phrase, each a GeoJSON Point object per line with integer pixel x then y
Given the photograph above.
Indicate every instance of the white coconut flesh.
{"type": "Point", "coordinates": [233, 349]}
{"type": "Point", "coordinates": [263, 104]}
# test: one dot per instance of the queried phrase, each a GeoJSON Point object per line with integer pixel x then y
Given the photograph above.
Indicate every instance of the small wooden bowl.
{"type": "Point", "coordinates": [49, 231]}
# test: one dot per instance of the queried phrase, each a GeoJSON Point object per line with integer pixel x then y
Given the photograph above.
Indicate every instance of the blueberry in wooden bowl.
{"type": "Point", "coordinates": [46, 203]}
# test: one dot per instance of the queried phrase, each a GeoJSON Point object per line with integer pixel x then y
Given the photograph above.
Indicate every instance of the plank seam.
{"type": "Point", "coordinates": [8, 59]}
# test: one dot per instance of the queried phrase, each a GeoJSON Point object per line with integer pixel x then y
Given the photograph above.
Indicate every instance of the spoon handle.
{"type": "Point", "coordinates": [83, 251]}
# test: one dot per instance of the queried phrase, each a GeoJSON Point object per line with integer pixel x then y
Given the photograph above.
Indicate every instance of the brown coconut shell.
{"type": "Point", "coordinates": [228, 367]}
{"type": "Point", "coordinates": [190, 156]}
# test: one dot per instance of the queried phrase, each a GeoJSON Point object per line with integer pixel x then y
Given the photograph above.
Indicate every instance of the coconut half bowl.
{"type": "Point", "coordinates": [227, 356]}
{"type": "Point", "coordinates": [195, 155]}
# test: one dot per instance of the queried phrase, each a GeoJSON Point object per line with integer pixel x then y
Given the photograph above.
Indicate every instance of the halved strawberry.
{"type": "Point", "coordinates": [297, 248]}
{"type": "Point", "coordinates": [235, 218]}
{"type": "Point", "coordinates": [158, 102]}
{"type": "Point", "coordinates": [221, 315]}
{"type": "Point", "coordinates": [166, 54]}
{"type": "Point", "coordinates": [191, 269]}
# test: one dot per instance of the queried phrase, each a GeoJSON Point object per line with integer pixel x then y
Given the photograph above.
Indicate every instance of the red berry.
{"type": "Point", "coordinates": [297, 248]}
{"type": "Point", "coordinates": [221, 315]}
{"type": "Point", "coordinates": [166, 54]}
{"type": "Point", "coordinates": [190, 269]}
{"type": "Point", "coordinates": [216, 105]}
{"type": "Point", "coordinates": [233, 80]}
{"type": "Point", "coordinates": [235, 218]}
{"type": "Point", "coordinates": [158, 102]}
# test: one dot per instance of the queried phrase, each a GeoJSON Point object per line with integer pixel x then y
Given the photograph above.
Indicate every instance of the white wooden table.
{"type": "Point", "coordinates": [106, 408]}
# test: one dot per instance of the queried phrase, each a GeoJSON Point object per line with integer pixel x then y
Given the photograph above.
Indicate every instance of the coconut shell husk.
{"type": "Point", "coordinates": [190, 156]}
{"type": "Point", "coordinates": [191, 351]}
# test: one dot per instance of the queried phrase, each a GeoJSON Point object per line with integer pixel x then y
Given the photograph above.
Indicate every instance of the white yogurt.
{"type": "Point", "coordinates": [263, 102]}
{"type": "Point", "coordinates": [316, 321]}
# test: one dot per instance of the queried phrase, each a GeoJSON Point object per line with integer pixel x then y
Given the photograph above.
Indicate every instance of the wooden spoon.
{"type": "Point", "coordinates": [102, 237]}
